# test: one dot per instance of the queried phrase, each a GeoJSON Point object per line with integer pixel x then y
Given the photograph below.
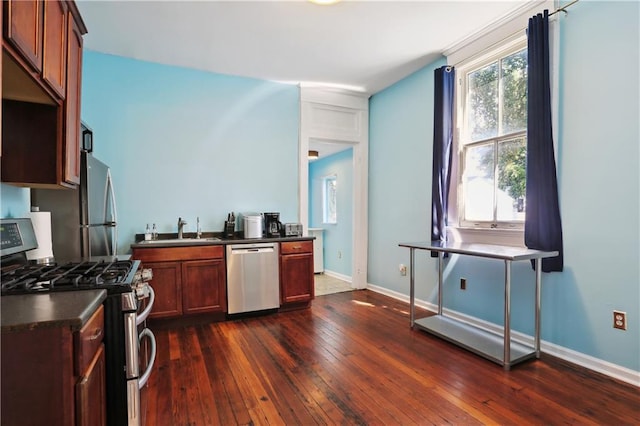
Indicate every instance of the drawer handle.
{"type": "Point", "coordinates": [297, 247]}
{"type": "Point", "coordinates": [97, 334]}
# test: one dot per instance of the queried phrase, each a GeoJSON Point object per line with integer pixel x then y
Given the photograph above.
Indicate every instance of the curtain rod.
{"type": "Point", "coordinates": [563, 8]}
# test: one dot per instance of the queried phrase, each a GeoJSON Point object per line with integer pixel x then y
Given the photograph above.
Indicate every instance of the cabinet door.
{"type": "Point", "coordinates": [91, 398]}
{"type": "Point", "coordinates": [204, 286]}
{"type": "Point", "coordinates": [54, 55]}
{"type": "Point", "coordinates": [37, 380]}
{"type": "Point", "coordinates": [72, 139]}
{"type": "Point", "coordinates": [296, 278]}
{"type": "Point", "coordinates": [1, 20]}
{"type": "Point", "coordinates": [166, 283]}
{"type": "Point", "coordinates": [24, 29]}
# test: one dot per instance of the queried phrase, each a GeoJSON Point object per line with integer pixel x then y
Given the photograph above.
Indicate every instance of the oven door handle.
{"type": "Point", "coordinates": [152, 340]}
{"type": "Point", "coordinates": [147, 310]}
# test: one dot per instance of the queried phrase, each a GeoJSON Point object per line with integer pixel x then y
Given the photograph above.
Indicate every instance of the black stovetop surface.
{"type": "Point", "coordinates": [115, 276]}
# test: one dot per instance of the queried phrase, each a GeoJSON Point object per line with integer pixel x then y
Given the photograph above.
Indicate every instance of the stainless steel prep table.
{"type": "Point", "coordinates": [499, 349]}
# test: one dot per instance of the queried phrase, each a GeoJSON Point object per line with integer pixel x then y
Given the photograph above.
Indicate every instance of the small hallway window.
{"type": "Point", "coordinates": [329, 211]}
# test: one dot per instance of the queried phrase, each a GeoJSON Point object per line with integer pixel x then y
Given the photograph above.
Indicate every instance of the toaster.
{"type": "Point", "coordinates": [292, 229]}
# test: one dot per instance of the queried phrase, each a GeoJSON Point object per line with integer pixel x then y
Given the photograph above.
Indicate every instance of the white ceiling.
{"type": "Point", "coordinates": [358, 45]}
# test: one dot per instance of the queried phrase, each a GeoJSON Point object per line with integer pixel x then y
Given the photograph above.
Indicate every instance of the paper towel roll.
{"type": "Point", "coordinates": [42, 228]}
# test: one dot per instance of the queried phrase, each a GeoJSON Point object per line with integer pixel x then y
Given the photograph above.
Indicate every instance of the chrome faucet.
{"type": "Point", "coordinates": [181, 224]}
{"type": "Point", "coordinates": [198, 230]}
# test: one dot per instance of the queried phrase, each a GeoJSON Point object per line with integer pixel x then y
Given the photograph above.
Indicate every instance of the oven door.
{"type": "Point", "coordinates": [146, 339]}
{"type": "Point", "coordinates": [140, 349]}
{"type": "Point", "coordinates": [146, 347]}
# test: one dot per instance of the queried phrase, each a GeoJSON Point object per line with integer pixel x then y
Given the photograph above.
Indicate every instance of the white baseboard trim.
{"type": "Point", "coordinates": [612, 370]}
{"type": "Point", "coordinates": [337, 275]}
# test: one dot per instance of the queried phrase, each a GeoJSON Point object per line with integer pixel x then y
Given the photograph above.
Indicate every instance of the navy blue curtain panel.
{"type": "Point", "coordinates": [442, 147]}
{"type": "Point", "coordinates": [542, 227]}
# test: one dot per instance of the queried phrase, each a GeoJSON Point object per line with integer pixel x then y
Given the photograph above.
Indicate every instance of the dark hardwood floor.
{"type": "Point", "coordinates": [352, 359]}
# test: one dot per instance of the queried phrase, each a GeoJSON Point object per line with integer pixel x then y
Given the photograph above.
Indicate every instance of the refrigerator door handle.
{"type": "Point", "coordinates": [114, 222]}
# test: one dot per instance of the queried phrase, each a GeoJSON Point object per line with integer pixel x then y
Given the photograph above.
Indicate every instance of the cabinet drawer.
{"type": "Point", "coordinates": [168, 254]}
{"type": "Point", "coordinates": [88, 340]}
{"type": "Point", "coordinates": [295, 247]}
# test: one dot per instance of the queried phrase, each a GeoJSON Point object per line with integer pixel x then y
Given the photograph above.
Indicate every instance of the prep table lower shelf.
{"type": "Point", "coordinates": [474, 339]}
{"type": "Point", "coordinates": [497, 348]}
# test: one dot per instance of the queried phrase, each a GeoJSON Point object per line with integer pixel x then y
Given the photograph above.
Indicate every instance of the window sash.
{"type": "Point", "coordinates": [464, 141]}
{"type": "Point", "coordinates": [329, 200]}
{"type": "Point", "coordinates": [494, 223]}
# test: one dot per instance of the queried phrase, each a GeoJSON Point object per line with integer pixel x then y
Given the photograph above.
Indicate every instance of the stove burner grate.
{"type": "Point", "coordinates": [67, 276]}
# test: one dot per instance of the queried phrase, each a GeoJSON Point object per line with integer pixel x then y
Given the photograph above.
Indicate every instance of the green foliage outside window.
{"type": "Point", "coordinates": [497, 105]}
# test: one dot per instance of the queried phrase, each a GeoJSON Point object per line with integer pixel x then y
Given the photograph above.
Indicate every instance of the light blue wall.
{"type": "Point", "coordinates": [15, 201]}
{"type": "Point", "coordinates": [599, 187]}
{"type": "Point", "coordinates": [186, 143]}
{"type": "Point", "coordinates": [400, 134]}
{"type": "Point", "coordinates": [338, 238]}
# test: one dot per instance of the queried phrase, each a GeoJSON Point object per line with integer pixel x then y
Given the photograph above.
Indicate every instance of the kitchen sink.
{"type": "Point", "coordinates": [180, 241]}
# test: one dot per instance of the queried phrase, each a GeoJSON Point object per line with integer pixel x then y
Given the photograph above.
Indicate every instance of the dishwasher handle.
{"type": "Point", "coordinates": [252, 250]}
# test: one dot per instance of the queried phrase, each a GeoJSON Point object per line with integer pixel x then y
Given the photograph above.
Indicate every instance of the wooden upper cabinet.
{"type": "Point", "coordinates": [41, 85]}
{"type": "Point", "coordinates": [54, 57]}
{"type": "Point", "coordinates": [72, 103]}
{"type": "Point", "coordinates": [23, 28]}
{"type": "Point", "coordinates": [1, 56]}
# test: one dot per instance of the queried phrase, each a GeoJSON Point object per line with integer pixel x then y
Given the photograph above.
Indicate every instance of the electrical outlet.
{"type": "Point", "coordinates": [403, 269]}
{"type": "Point", "coordinates": [463, 283]}
{"type": "Point", "coordinates": [339, 254]}
{"type": "Point", "coordinates": [620, 320]}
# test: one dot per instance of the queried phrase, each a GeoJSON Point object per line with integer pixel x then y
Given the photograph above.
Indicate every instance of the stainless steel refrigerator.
{"type": "Point", "coordinates": [83, 220]}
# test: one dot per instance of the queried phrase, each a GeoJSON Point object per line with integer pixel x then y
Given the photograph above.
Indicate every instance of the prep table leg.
{"type": "Point", "coordinates": [538, 290]}
{"type": "Point", "coordinates": [440, 271]}
{"type": "Point", "coordinates": [507, 315]}
{"type": "Point", "coordinates": [412, 277]}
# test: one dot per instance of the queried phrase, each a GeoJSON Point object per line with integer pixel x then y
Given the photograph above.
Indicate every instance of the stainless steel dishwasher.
{"type": "Point", "coordinates": [252, 277]}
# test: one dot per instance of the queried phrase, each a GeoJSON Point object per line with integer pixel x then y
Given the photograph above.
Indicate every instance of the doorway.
{"type": "Point", "coordinates": [338, 117]}
{"type": "Point", "coordinates": [331, 187]}
{"type": "Point", "coordinates": [326, 284]}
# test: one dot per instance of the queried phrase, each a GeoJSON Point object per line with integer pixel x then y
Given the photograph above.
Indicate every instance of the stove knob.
{"type": "Point", "coordinates": [147, 274]}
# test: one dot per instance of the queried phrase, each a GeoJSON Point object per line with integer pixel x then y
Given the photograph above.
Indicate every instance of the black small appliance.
{"type": "Point", "coordinates": [272, 225]}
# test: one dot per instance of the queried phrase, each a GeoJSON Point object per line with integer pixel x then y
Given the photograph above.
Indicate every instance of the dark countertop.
{"type": "Point", "coordinates": [206, 240]}
{"type": "Point", "coordinates": [59, 309]}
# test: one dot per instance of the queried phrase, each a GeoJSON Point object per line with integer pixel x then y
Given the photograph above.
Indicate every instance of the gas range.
{"type": "Point", "coordinates": [115, 276]}
{"type": "Point", "coordinates": [130, 299]}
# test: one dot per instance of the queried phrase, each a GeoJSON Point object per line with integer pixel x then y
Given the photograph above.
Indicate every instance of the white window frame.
{"type": "Point", "coordinates": [462, 54]}
{"type": "Point", "coordinates": [492, 55]}
{"type": "Point", "coordinates": [328, 217]}
{"type": "Point", "coordinates": [499, 232]}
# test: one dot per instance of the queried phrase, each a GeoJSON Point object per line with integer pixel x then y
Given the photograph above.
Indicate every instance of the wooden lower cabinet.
{"type": "Point", "coordinates": [90, 393]}
{"type": "Point", "coordinates": [54, 376]}
{"type": "Point", "coordinates": [186, 280]}
{"type": "Point", "coordinates": [296, 273]}
{"type": "Point", "coordinates": [193, 279]}
{"type": "Point", "coordinates": [167, 285]}
{"type": "Point", "coordinates": [201, 289]}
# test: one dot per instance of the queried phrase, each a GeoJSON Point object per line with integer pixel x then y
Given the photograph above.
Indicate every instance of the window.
{"type": "Point", "coordinates": [329, 212]}
{"type": "Point", "coordinates": [492, 144]}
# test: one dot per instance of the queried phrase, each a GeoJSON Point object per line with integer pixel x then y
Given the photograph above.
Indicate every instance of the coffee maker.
{"type": "Point", "coordinates": [272, 225]}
